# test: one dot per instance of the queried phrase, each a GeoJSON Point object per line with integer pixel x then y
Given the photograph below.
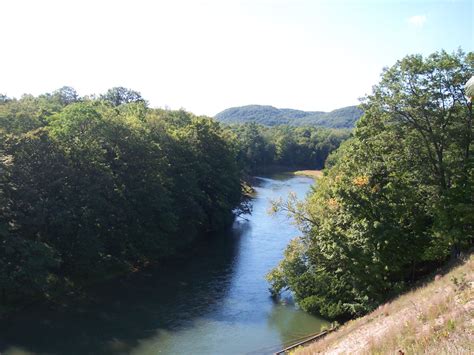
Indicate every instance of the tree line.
{"type": "Point", "coordinates": [96, 186]}
{"type": "Point", "coordinates": [397, 199]}
{"type": "Point", "coordinates": [264, 149]}
{"type": "Point", "coordinates": [344, 117]}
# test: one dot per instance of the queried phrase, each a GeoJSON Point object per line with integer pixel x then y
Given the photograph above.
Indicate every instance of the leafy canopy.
{"type": "Point", "coordinates": [398, 197]}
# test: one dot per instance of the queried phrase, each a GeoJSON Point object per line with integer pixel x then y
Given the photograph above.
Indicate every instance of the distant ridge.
{"type": "Point", "coordinates": [344, 117]}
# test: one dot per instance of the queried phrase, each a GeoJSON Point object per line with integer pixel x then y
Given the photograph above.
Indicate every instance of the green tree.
{"type": "Point", "coordinates": [120, 95]}
{"type": "Point", "coordinates": [89, 189]}
{"type": "Point", "coordinates": [66, 95]}
{"type": "Point", "coordinates": [397, 197]}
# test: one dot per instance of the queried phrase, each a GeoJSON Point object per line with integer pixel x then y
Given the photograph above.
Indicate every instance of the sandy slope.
{"type": "Point", "coordinates": [437, 318]}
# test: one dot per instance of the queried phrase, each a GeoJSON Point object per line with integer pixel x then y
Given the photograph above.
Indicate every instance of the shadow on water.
{"type": "Point", "coordinates": [132, 308]}
{"type": "Point", "coordinates": [216, 302]}
{"type": "Point", "coordinates": [292, 325]}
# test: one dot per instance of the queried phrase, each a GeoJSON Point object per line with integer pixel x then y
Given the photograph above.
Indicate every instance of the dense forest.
{"type": "Point", "coordinates": [345, 117]}
{"type": "Point", "coordinates": [92, 187]}
{"type": "Point", "coordinates": [265, 149]}
{"type": "Point", "coordinates": [398, 198]}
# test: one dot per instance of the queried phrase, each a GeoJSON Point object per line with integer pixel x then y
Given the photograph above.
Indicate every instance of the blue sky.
{"type": "Point", "coordinates": [208, 55]}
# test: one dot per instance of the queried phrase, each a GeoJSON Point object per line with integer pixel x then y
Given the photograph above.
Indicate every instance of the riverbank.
{"type": "Point", "coordinates": [315, 174]}
{"type": "Point", "coordinates": [77, 292]}
{"type": "Point", "coordinates": [434, 318]}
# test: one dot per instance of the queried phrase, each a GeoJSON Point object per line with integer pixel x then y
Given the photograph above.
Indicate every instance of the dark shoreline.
{"type": "Point", "coordinates": [80, 295]}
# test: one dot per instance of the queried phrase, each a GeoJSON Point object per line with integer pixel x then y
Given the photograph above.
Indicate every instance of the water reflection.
{"type": "Point", "coordinates": [215, 303]}
{"type": "Point", "coordinates": [130, 309]}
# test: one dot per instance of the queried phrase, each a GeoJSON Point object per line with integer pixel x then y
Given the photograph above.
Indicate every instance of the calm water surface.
{"type": "Point", "coordinates": [217, 302]}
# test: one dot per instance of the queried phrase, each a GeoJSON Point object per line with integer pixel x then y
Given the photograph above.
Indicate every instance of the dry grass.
{"type": "Point", "coordinates": [310, 173]}
{"type": "Point", "coordinates": [437, 318]}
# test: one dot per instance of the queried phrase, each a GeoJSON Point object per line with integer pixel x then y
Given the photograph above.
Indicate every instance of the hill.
{"type": "Point", "coordinates": [433, 319]}
{"type": "Point", "coordinates": [271, 116]}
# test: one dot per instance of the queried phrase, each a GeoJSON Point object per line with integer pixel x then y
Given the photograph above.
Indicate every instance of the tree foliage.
{"type": "Point", "coordinates": [89, 189]}
{"type": "Point", "coordinates": [398, 197]}
{"type": "Point", "coordinates": [120, 95]}
{"type": "Point", "coordinates": [263, 148]}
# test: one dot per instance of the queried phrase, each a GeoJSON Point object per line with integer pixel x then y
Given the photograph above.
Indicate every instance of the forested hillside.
{"type": "Point", "coordinates": [270, 116]}
{"type": "Point", "coordinates": [93, 187]}
{"type": "Point", "coordinates": [398, 198]}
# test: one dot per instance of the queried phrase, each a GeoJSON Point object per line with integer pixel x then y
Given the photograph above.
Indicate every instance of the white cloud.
{"type": "Point", "coordinates": [417, 20]}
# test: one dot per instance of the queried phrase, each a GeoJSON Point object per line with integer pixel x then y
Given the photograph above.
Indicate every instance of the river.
{"type": "Point", "coordinates": [216, 302]}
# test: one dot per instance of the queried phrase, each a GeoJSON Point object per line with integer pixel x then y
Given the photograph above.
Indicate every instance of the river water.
{"type": "Point", "coordinates": [216, 302]}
